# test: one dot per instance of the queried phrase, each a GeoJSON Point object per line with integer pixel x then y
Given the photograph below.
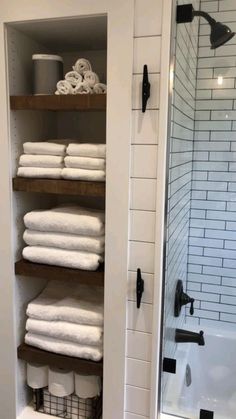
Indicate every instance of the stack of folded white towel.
{"type": "Point", "coordinates": [85, 162]}
{"type": "Point", "coordinates": [69, 236]}
{"type": "Point", "coordinates": [67, 318]}
{"type": "Point", "coordinates": [42, 159]}
{"type": "Point", "coordinates": [81, 80]}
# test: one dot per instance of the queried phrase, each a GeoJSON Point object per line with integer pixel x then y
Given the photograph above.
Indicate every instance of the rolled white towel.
{"type": "Point", "coordinates": [100, 88]}
{"type": "Point", "coordinates": [83, 174]}
{"type": "Point", "coordinates": [58, 346]}
{"type": "Point", "coordinates": [67, 219]}
{"type": "Point", "coordinates": [73, 259]}
{"type": "Point", "coordinates": [34, 160]}
{"type": "Point", "coordinates": [82, 88]}
{"type": "Point", "coordinates": [65, 241]}
{"type": "Point", "coordinates": [50, 148]}
{"type": "Point", "coordinates": [87, 150]}
{"type": "Point", "coordinates": [72, 332]}
{"type": "Point", "coordinates": [90, 163]}
{"type": "Point", "coordinates": [91, 78]}
{"type": "Point", "coordinates": [64, 88]}
{"type": "Point", "coordinates": [82, 65]}
{"type": "Point", "coordinates": [39, 172]}
{"type": "Point", "coordinates": [73, 77]}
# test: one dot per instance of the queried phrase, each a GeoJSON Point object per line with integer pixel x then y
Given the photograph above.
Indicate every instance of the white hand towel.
{"type": "Point", "coordinates": [33, 160]}
{"type": "Point", "coordinates": [65, 241]}
{"type": "Point", "coordinates": [83, 174]}
{"type": "Point", "coordinates": [67, 219]}
{"type": "Point", "coordinates": [64, 87]}
{"type": "Point", "coordinates": [82, 88]}
{"type": "Point", "coordinates": [93, 353]}
{"type": "Point", "coordinates": [45, 147]}
{"type": "Point", "coordinates": [100, 88]}
{"type": "Point", "coordinates": [87, 150]}
{"type": "Point", "coordinates": [89, 163]}
{"type": "Point", "coordinates": [39, 172]}
{"type": "Point", "coordinates": [72, 332]}
{"type": "Point", "coordinates": [60, 257]}
{"type": "Point", "coordinates": [73, 77]}
{"type": "Point", "coordinates": [87, 386]}
{"type": "Point", "coordinates": [91, 78]}
{"type": "Point", "coordinates": [68, 301]}
{"type": "Point", "coordinates": [82, 65]}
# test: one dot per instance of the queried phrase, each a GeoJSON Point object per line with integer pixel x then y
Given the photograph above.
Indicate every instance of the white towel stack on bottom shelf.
{"type": "Point", "coordinates": [69, 236]}
{"type": "Point", "coordinates": [67, 318]}
{"type": "Point", "coordinates": [42, 159]}
{"type": "Point", "coordinates": [85, 162]}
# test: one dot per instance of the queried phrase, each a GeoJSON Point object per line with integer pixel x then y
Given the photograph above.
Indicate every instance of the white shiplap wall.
{"type": "Point", "coordinates": [144, 148]}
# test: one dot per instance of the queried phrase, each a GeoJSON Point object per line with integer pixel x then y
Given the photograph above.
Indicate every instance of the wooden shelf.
{"type": "Point", "coordinates": [29, 269]}
{"type": "Point", "coordinates": [63, 187]}
{"type": "Point", "coordinates": [82, 366]}
{"type": "Point", "coordinates": [94, 102]}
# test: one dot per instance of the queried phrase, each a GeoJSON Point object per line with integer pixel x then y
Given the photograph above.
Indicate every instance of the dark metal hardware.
{"type": "Point", "coordinates": [146, 88]}
{"type": "Point", "coordinates": [139, 287]}
{"type": "Point", "coordinates": [206, 414]}
{"type": "Point", "coordinates": [181, 299]}
{"type": "Point", "coordinates": [184, 13]}
{"type": "Point", "coordinates": [182, 336]}
{"type": "Point", "coordinates": [169, 365]}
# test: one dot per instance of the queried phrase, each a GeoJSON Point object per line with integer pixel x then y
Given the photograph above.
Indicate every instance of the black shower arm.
{"type": "Point", "coordinates": [206, 16]}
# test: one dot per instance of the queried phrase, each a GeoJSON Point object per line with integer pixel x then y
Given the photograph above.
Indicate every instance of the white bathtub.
{"type": "Point", "coordinates": [213, 370]}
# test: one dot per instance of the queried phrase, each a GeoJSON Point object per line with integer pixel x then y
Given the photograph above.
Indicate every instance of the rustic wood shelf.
{"type": "Point", "coordinates": [60, 186]}
{"type": "Point", "coordinates": [93, 102]}
{"type": "Point", "coordinates": [29, 269]}
{"type": "Point", "coordinates": [82, 366]}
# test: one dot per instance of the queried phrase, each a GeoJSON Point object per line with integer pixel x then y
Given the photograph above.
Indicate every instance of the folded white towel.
{"type": "Point", "coordinates": [59, 257]}
{"type": "Point", "coordinates": [89, 163]}
{"type": "Point", "coordinates": [39, 172]}
{"type": "Point", "coordinates": [72, 332]}
{"type": "Point", "coordinates": [34, 160]}
{"type": "Point", "coordinates": [83, 174]}
{"type": "Point", "coordinates": [65, 241]}
{"type": "Point", "coordinates": [82, 65]}
{"type": "Point", "coordinates": [82, 88]}
{"type": "Point", "coordinates": [91, 78]}
{"type": "Point", "coordinates": [100, 88]}
{"type": "Point", "coordinates": [45, 147]}
{"type": "Point", "coordinates": [73, 77]}
{"type": "Point", "coordinates": [64, 87]}
{"type": "Point", "coordinates": [70, 302]}
{"type": "Point", "coordinates": [58, 346]}
{"type": "Point", "coordinates": [87, 150]}
{"type": "Point", "coordinates": [67, 219]}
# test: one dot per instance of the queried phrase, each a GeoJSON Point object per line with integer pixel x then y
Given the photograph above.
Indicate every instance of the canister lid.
{"type": "Point", "coordinates": [47, 57]}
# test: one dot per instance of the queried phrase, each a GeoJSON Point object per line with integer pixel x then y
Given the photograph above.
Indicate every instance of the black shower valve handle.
{"type": "Point", "coordinates": [185, 299]}
{"type": "Point", "coordinates": [191, 306]}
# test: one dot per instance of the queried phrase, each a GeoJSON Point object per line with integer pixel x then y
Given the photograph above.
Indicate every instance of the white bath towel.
{"type": "Point", "coordinates": [73, 77]}
{"type": "Point", "coordinates": [45, 147]}
{"type": "Point", "coordinates": [65, 241]}
{"type": "Point", "coordinates": [39, 172]}
{"type": "Point", "coordinates": [34, 160]}
{"type": "Point", "coordinates": [82, 88]}
{"type": "Point", "coordinates": [87, 150]}
{"type": "Point", "coordinates": [83, 174]}
{"type": "Point", "coordinates": [91, 78]}
{"type": "Point", "coordinates": [89, 163]}
{"type": "Point", "coordinates": [72, 332]}
{"type": "Point", "coordinates": [67, 219]}
{"type": "Point", "coordinates": [82, 65]}
{"type": "Point", "coordinates": [100, 88]}
{"type": "Point", "coordinates": [58, 346]}
{"type": "Point", "coordinates": [64, 87]}
{"type": "Point", "coordinates": [73, 259]}
{"type": "Point", "coordinates": [70, 302]}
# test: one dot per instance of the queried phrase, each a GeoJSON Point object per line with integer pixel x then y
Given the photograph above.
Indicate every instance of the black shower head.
{"type": "Point", "coordinates": [220, 34]}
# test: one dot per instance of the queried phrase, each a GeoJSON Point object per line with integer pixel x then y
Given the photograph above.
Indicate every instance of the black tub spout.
{"type": "Point", "coordinates": [188, 336]}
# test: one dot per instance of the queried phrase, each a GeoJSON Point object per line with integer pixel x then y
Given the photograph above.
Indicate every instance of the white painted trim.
{"type": "Point", "coordinates": [160, 204]}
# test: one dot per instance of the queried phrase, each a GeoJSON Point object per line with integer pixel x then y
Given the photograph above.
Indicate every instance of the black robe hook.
{"type": "Point", "coordinates": [146, 88]}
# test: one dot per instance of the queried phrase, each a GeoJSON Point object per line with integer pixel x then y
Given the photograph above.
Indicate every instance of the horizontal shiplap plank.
{"type": "Point", "coordinates": [144, 161]}
{"type": "Point", "coordinates": [148, 18]}
{"type": "Point", "coordinates": [137, 400]}
{"type": "Point", "coordinates": [138, 373]}
{"type": "Point", "coordinates": [143, 54]}
{"type": "Point", "coordinates": [139, 345]}
{"type": "Point", "coordinates": [139, 319]}
{"type": "Point", "coordinates": [141, 256]}
{"type": "Point", "coordinates": [147, 296]}
{"type": "Point", "coordinates": [143, 194]}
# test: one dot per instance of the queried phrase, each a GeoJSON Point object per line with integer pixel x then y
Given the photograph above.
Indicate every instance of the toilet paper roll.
{"type": "Point", "coordinates": [87, 386]}
{"type": "Point", "coordinates": [37, 376]}
{"type": "Point", "coordinates": [60, 382]}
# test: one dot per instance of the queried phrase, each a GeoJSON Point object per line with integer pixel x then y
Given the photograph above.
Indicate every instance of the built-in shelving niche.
{"type": "Point", "coordinates": [31, 120]}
